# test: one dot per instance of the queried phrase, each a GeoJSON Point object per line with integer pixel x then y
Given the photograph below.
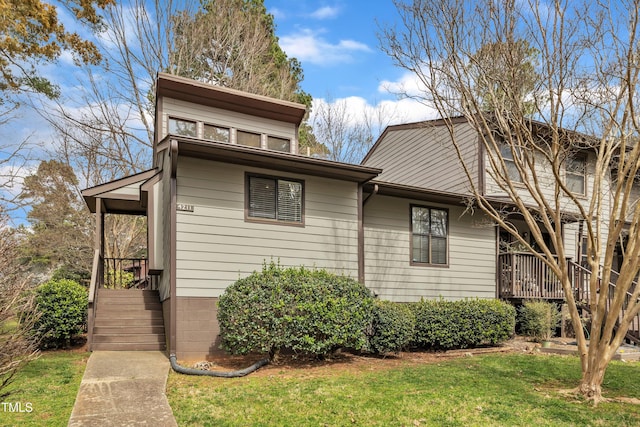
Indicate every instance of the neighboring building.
{"type": "Point", "coordinates": [229, 192]}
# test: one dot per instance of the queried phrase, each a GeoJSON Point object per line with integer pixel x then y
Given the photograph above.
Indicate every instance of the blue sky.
{"type": "Point", "coordinates": [335, 41]}
{"type": "Point", "coordinates": [337, 44]}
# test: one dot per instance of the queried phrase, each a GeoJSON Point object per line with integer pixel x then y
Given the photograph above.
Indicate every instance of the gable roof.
{"type": "Point", "coordinates": [122, 196]}
{"type": "Point", "coordinates": [421, 156]}
{"type": "Point", "coordinates": [182, 88]}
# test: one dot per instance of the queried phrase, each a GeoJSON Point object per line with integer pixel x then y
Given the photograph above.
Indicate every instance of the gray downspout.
{"type": "Point", "coordinates": [222, 374]}
{"type": "Point", "coordinates": [173, 300]}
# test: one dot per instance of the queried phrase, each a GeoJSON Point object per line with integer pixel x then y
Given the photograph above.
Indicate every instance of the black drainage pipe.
{"type": "Point", "coordinates": [228, 374]}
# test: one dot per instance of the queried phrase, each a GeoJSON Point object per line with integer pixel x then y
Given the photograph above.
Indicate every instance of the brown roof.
{"type": "Point", "coordinates": [229, 99]}
{"type": "Point", "coordinates": [258, 157]}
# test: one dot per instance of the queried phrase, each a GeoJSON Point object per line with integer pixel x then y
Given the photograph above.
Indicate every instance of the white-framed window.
{"type": "Point", "coordinates": [429, 236]}
{"type": "Point", "coordinates": [183, 127]}
{"type": "Point", "coordinates": [506, 153]}
{"type": "Point", "coordinates": [274, 199]}
{"type": "Point", "coordinates": [576, 174]}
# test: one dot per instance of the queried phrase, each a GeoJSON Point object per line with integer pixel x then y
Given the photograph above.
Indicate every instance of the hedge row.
{"type": "Point", "coordinates": [316, 312]}
{"type": "Point", "coordinates": [468, 323]}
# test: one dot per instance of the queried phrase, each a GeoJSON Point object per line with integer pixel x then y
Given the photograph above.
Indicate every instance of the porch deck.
{"type": "Point", "coordinates": [525, 276]}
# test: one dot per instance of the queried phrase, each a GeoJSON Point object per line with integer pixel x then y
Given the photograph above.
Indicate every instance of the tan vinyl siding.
{"type": "Point", "coordinates": [547, 185]}
{"type": "Point", "coordinates": [472, 260]}
{"type": "Point", "coordinates": [229, 119]}
{"type": "Point", "coordinates": [423, 156]}
{"type": "Point", "coordinates": [216, 246]}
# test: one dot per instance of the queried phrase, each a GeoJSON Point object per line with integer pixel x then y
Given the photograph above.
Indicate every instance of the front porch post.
{"type": "Point", "coordinates": [99, 237]}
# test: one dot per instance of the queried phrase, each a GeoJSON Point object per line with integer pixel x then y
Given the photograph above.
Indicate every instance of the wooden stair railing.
{"type": "Point", "coordinates": [580, 277]}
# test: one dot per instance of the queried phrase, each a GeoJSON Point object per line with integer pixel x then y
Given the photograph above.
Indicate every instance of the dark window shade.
{"type": "Point", "coordinates": [262, 197]}
{"type": "Point", "coordinates": [276, 199]}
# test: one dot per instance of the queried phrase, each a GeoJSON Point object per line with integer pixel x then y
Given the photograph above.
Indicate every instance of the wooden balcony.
{"type": "Point", "coordinates": [525, 276]}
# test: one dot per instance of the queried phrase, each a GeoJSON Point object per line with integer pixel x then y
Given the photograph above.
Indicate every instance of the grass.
{"type": "Point", "coordinates": [49, 386]}
{"type": "Point", "coordinates": [494, 390]}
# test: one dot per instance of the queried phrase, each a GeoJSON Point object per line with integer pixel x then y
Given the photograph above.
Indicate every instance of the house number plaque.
{"type": "Point", "coordinates": [184, 208]}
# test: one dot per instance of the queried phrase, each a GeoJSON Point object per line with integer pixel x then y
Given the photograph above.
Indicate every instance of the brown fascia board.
{"type": "Point", "coordinates": [92, 193]}
{"type": "Point", "coordinates": [189, 90]}
{"type": "Point", "coordinates": [258, 157]}
{"type": "Point", "coordinates": [416, 193]}
{"type": "Point", "coordinates": [413, 125]}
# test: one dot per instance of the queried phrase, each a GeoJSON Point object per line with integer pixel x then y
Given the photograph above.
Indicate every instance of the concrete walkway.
{"type": "Point", "coordinates": [124, 388]}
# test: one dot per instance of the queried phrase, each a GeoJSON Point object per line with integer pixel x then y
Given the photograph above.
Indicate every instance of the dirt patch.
{"type": "Point", "coordinates": [297, 366]}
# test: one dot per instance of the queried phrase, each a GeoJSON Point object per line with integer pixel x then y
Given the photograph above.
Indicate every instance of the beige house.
{"type": "Point", "coordinates": [229, 191]}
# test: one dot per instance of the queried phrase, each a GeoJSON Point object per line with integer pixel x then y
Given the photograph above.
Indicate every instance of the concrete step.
{"type": "Point", "coordinates": [107, 346]}
{"type": "Point", "coordinates": [129, 339]}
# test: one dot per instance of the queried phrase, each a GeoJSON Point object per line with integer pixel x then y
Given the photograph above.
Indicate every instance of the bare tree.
{"type": "Point", "coordinates": [587, 84]}
{"type": "Point", "coordinates": [17, 346]}
{"type": "Point", "coordinates": [347, 133]}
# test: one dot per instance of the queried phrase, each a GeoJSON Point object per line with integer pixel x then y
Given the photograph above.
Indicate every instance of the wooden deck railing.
{"type": "Point", "coordinates": [128, 273]}
{"type": "Point", "coordinates": [524, 275]}
{"type": "Point", "coordinates": [580, 277]}
{"type": "Point", "coordinates": [97, 278]}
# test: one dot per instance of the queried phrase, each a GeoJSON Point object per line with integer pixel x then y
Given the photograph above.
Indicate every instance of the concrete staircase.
{"type": "Point", "coordinates": [128, 319]}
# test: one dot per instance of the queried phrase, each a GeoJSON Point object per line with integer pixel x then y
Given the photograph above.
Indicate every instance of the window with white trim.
{"type": "Point", "coordinates": [506, 152]}
{"type": "Point", "coordinates": [429, 235]}
{"type": "Point", "coordinates": [575, 174]}
{"type": "Point", "coordinates": [275, 199]}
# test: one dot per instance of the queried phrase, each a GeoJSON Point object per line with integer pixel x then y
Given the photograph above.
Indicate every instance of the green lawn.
{"type": "Point", "coordinates": [490, 390]}
{"type": "Point", "coordinates": [48, 386]}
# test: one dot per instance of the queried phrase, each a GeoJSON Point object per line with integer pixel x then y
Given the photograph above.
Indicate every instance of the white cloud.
{"type": "Point", "coordinates": [309, 47]}
{"type": "Point", "coordinates": [278, 14]}
{"type": "Point", "coordinates": [383, 113]}
{"type": "Point", "coordinates": [325, 12]}
{"type": "Point", "coordinates": [408, 84]}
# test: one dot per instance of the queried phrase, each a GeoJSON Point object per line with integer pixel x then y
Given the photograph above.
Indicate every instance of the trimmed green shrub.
{"type": "Point", "coordinates": [468, 323]}
{"type": "Point", "coordinates": [392, 327]}
{"type": "Point", "coordinates": [538, 319]}
{"type": "Point", "coordinates": [62, 311]}
{"type": "Point", "coordinates": [296, 309]}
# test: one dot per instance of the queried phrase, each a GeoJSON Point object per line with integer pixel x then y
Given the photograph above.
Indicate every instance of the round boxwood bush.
{"type": "Point", "coordinates": [62, 312]}
{"type": "Point", "coordinates": [297, 309]}
{"type": "Point", "coordinates": [392, 327]}
{"type": "Point", "coordinates": [468, 323]}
